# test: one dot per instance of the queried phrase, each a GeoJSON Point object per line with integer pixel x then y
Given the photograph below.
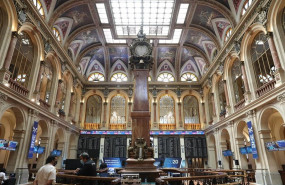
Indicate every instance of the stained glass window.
{"type": "Point", "coordinates": [191, 109]}
{"type": "Point", "coordinates": [262, 60]}
{"type": "Point", "coordinates": [237, 81]}
{"type": "Point", "coordinates": [96, 77]}
{"type": "Point", "coordinates": [166, 109]}
{"type": "Point", "coordinates": [39, 6]}
{"type": "Point", "coordinates": [93, 109]}
{"type": "Point", "coordinates": [188, 77]}
{"type": "Point", "coordinates": [245, 7]}
{"type": "Point", "coordinates": [118, 110]}
{"type": "Point", "coordinates": [56, 33]}
{"type": "Point", "coordinates": [228, 34]}
{"type": "Point", "coordinates": [119, 77]}
{"type": "Point", "coordinates": [165, 77]}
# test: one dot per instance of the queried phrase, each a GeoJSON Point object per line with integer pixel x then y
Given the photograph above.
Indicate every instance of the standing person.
{"type": "Point", "coordinates": [47, 173]}
{"type": "Point", "coordinates": [2, 175]}
{"type": "Point", "coordinates": [89, 166]}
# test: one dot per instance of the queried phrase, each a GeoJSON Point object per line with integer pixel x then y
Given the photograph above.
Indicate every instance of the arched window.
{"type": "Point", "coordinates": [245, 7]}
{"type": "Point", "coordinates": [56, 33]}
{"type": "Point", "coordinates": [210, 105]}
{"type": "Point", "coordinates": [228, 34]}
{"type": "Point", "coordinates": [222, 97]}
{"type": "Point", "coordinates": [46, 81]}
{"type": "Point", "coordinates": [118, 110]}
{"type": "Point", "coordinates": [191, 109]}
{"type": "Point", "coordinates": [237, 81]}
{"type": "Point", "coordinates": [22, 60]}
{"type": "Point", "coordinates": [189, 77]}
{"type": "Point", "coordinates": [96, 77]}
{"type": "Point", "coordinates": [262, 60]}
{"type": "Point", "coordinates": [93, 109]}
{"type": "Point", "coordinates": [165, 77]}
{"type": "Point", "coordinates": [166, 110]}
{"type": "Point", "coordinates": [119, 77]}
{"type": "Point", "coordinates": [39, 7]}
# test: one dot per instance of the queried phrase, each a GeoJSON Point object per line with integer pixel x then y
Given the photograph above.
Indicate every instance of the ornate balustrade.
{"type": "Point", "coordinates": [18, 88]}
{"type": "Point", "coordinates": [167, 126]}
{"type": "Point", "coordinates": [91, 126]}
{"type": "Point", "coordinates": [240, 104]}
{"type": "Point", "coordinates": [192, 126]}
{"type": "Point", "coordinates": [44, 104]}
{"type": "Point", "coordinates": [117, 126]}
{"type": "Point", "coordinates": [265, 88]}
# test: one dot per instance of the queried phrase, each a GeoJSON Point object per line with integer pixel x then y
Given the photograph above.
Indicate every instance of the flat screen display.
{"type": "Point", "coordinates": [3, 144]}
{"type": "Point", "coordinates": [12, 145]}
{"type": "Point", "coordinates": [249, 149]}
{"type": "Point", "coordinates": [271, 146]}
{"type": "Point", "coordinates": [56, 152]}
{"type": "Point", "coordinates": [172, 163]}
{"type": "Point", "coordinates": [227, 153]}
{"type": "Point", "coordinates": [243, 150]}
{"type": "Point", "coordinates": [41, 150]}
{"type": "Point", "coordinates": [281, 143]}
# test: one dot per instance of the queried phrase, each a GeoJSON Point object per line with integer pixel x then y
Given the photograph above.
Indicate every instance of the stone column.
{"type": "Point", "coordinates": [4, 72]}
{"type": "Point", "coordinates": [105, 115]}
{"type": "Point", "coordinates": [129, 114]}
{"type": "Point", "coordinates": [59, 160]}
{"type": "Point", "coordinates": [212, 157]}
{"type": "Point", "coordinates": [72, 151]}
{"type": "Point", "coordinates": [42, 157]}
{"type": "Point", "coordinates": [225, 160]}
{"type": "Point", "coordinates": [240, 157]}
{"type": "Point", "coordinates": [179, 114]}
{"type": "Point", "coordinates": [226, 93]}
{"type": "Point", "coordinates": [213, 104]}
{"type": "Point", "coordinates": [279, 73]}
{"type": "Point", "coordinates": [38, 84]}
{"type": "Point", "coordinates": [81, 115]}
{"type": "Point", "coordinates": [58, 93]}
{"type": "Point", "coordinates": [71, 106]}
{"type": "Point", "coordinates": [155, 125]}
{"type": "Point", "coordinates": [245, 81]}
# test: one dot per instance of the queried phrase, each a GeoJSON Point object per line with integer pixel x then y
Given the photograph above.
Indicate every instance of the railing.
{"type": "Point", "coordinates": [17, 87]}
{"type": "Point", "coordinates": [117, 126]}
{"type": "Point", "coordinates": [192, 126]}
{"type": "Point", "coordinates": [167, 126]}
{"type": "Point", "coordinates": [265, 88]}
{"type": "Point", "coordinates": [44, 104]}
{"type": "Point", "coordinates": [239, 104]}
{"type": "Point", "coordinates": [92, 126]}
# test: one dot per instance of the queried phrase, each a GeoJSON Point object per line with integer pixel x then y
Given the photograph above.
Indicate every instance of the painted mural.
{"type": "Point", "coordinates": [48, 4]}
{"type": "Point", "coordinates": [118, 53]}
{"type": "Point", "coordinates": [225, 3]}
{"type": "Point", "coordinates": [204, 15]}
{"type": "Point", "coordinates": [97, 54]}
{"type": "Point", "coordinates": [197, 38]}
{"type": "Point", "coordinates": [237, 4]}
{"type": "Point", "coordinates": [63, 25]}
{"type": "Point", "coordinates": [81, 16]}
{"type": "Point", "coordinates": [166, 53]}
{"type": "Point", "coordinates": [88, 37]}
{"type": "Point", "coordinates": [59, 2]}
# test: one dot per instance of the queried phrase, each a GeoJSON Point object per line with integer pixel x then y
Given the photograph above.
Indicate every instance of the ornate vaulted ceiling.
{"type": "Point", "coordinates": [92, 48]}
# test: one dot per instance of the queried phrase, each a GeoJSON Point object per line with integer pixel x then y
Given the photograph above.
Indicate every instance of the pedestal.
{"type": "Point", "coordinates": [145, 169]}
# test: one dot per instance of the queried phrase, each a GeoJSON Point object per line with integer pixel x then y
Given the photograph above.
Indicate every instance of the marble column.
{"type": "Point", "coordinates": [39, 80]}
{"type": "Point", "coordinates": [179, 114]}
{"type": "Point", "coordinates": [4, 72]}
{"type": "Point", "coordinates": [245, 82]}
{"type": "Point", "coordinates": [71, 106]}
{"type": "Point", "coordinates": [105, 115]}
{"type": "Point", "coordinates": [212, 157]}
{"type": "Point", "coordinates": [129, 114]}
{"type": "Point", "coordinates": [155, 126]}
{"type": "Point", "coordinates": [213, 104]}
{"type": "Point", "coordinates": [242, 158]}
{"type": "Point", "coordinates": [225, 160]}
{"type": "Point", "coordinates": [279, 72]}
{"type": "Point", "coordinates": [42, 157]}
{"type": "Point", "coordinates": [60, 158]}
{"type": "Point", "coordinates": [81, 114]}
{"type": "Point", "coordinates": [226, 93]}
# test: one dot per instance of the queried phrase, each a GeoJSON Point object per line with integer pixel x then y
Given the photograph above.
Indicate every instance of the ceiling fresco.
{"type": "Point", "coordinates": [81, 16]}
{"type": "Point", "coordinates": [204, 15]}
{"type": "Point", "coordinates": [85, 36]}
{"type": "Point", "coordinates": [118, 53]}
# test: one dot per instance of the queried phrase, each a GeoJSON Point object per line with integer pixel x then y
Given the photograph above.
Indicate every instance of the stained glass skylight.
{"type": "Point", "coordinates": [154, 15]}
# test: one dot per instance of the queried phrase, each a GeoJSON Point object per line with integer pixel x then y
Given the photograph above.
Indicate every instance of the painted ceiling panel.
{"type": "Point", "coordinates": [225, 3]}
{"type": "Point", "coordinates": [166, 53]}
{"type": "Point", "coordinates": [81, 16]}
{"type": "Point", "coordinates": [48, 4]}
{"type": "Point", "coordinates": [237, 4]}
{"type": "Point", "coordinates": [97, 54]}
{"type": "Point", "coordinates": [88, 37]}
{"type": "Point", "coordinates": [197, 38]}
{"type": "Point", "coordinates": [118, 53]}
{"type": "Point", "coordinates": [204, 15]}
{"type": "Point", "coordinates": [59, 2]}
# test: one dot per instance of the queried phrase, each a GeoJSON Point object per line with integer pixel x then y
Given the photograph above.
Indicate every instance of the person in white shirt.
{"type": "Point", "coordinates": [47, 173]}
{"type": "Point", "coordinates": [2, 175]}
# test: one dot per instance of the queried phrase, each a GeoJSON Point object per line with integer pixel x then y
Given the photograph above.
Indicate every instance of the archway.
{"type": "Point", "coordinates": [11, 129]}
{"type": "Point", "coordinates": [246, 161]}
{"type": "Point", "coordinates": [225, 145]}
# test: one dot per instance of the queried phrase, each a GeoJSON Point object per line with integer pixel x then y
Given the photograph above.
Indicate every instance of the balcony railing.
{"type": "Point", "coordinates": [239, 104]}
{"type": "Point", "coordinates": [92, 126]}
{"type": "Point", "coordinates": [167, 126]}
{"type": "Point", "coordinates": [192, 126]}
{"type": "Point", "coordinates": [117, 126]}
{"type": "Point", "coordinates": [17, 87]}
{"type": "Point", "coordinates": [44, 104]}
{"type": "Point", "coordinates": [265, 88]}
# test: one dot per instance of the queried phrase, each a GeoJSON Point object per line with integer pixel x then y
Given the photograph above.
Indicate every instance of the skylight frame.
{"type": "Point", "coordinates": [182, 12]}
{"type": "Point", "coordinates": [127, 17]}
{"type": "Point", "coordinates": [101, 9]}
{"type": "Point", "coordinates": [109, 37]}
{"type": "Point", "coordinates": [175, 39]}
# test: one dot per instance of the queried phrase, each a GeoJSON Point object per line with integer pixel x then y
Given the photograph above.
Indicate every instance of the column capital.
{"type": "Point", "coordinates": [250, 113]}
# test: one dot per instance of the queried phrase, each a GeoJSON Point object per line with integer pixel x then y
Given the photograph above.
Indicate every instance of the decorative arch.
{"type": "Point", "coordinates": [93, 69]}
{"type": "Point", "coordinates": [64, 25]}
{"type": "Point", "coordinates": [119, 66]}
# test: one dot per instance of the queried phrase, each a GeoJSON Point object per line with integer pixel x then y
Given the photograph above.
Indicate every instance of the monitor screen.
{"type": "Point", "coordinates": [36, 149]}
{"type": "Point", "coordinates": [227, 153]}
{"type": "Point", "coordinates": [281, 143]}
{"type": "Point", "coordinates": [172, 163]}
{"type": "Point", "coordinates": [249, 149]}
{"type": "Point", "coordinates": [41, 150]}
{"type": "Point", "coordinates": [3, 144]}
{"type": "Point", "coordinates": [243, 150]}
{"type": "Point", "coordinates": [12, 145]}
{"type": "Point", "coordinates": [271, 146]}
{"type": "Point", "coordinates": [113, 162]}
{"type": "Point", "coordinates": [56, 152]}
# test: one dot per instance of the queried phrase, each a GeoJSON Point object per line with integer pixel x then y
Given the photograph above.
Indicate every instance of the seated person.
{"type": "Point", "coordinates": [88, 168]}
{"type": "Point", "coordinates": [103, 170]}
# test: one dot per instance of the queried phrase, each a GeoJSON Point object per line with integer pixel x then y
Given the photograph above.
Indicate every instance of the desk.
{"type": "Point", "coordinates": [110, 180]}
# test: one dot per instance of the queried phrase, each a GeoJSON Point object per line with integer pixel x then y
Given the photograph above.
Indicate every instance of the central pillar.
{"type": "Point", "coordinates": [140, 114]}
